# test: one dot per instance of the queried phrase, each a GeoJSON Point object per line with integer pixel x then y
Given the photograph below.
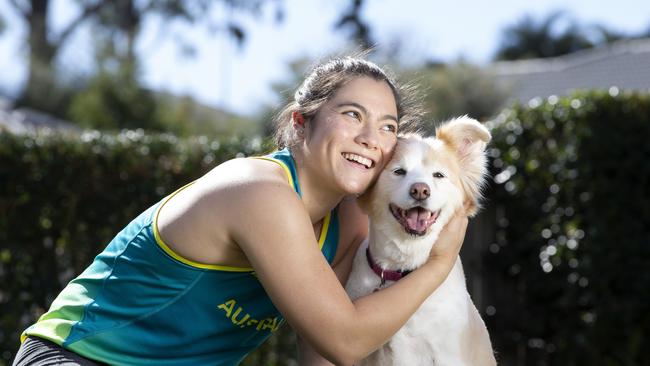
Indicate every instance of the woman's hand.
{"type": "Point", "coordinates": [451, 238]}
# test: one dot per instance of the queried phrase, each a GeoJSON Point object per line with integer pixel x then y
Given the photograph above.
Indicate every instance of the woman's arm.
{"type": "Point", "coordinates": [307, 355]}
{"type": "Point", "coordinates": [270, 224]}
{"type": "Point", "coordinates": [353, 229]}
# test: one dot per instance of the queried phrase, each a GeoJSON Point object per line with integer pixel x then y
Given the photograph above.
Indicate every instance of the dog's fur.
{"type": "Point", "coordinates": [447, 329]}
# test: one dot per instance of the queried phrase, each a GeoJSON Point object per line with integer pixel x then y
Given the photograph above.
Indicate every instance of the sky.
{"type": "Point", "coordinates": [239, 79]}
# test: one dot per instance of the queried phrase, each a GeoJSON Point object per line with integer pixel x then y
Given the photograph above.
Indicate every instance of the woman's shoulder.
{"type": "Point", "coordinates": [239, 193]}
{"type": "Point", "coordinates": [244, 173]}
{"type": "Point", "coordinates": [247, 183]}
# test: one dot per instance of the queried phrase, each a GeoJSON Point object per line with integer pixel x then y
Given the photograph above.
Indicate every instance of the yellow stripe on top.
{"type": "Point", "coordinates": [178, 257]}
{"type": "Point", "coordinates": [326, 219]}
{"type": "Point", "coordinates": [282, 164]}
{"type": "Point", "coordinates": [323, 230]}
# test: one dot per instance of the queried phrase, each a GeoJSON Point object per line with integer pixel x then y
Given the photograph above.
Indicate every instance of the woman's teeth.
{"type": "Point", "coordinates": [359, 159]}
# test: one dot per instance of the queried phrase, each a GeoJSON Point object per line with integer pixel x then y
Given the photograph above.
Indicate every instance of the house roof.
{"type": "Point", "coordinates": [624, 65]}
{"type": "Point", "coordinates": [24, 120]}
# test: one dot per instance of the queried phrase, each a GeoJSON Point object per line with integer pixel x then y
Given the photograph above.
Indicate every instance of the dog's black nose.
{"type": "Point", "coordinates": [420, 191]}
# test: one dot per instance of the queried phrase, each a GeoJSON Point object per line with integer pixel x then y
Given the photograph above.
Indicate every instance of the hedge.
{"type": "Point", "coordinates": [565, 276]}
{"type": "Point", "coordinates": [569, 267]}
{"type": "Point", "coordinates": [63, 197]}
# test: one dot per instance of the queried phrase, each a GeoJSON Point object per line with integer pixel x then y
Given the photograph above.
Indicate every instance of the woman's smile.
{"type": "Point", "coordinates": [359, 160]}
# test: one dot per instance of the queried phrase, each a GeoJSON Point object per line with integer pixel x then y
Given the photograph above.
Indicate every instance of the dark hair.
{"type": "Point", "coordinates": [328, 77]}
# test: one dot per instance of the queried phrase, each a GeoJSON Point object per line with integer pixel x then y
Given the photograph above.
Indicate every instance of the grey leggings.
{"type": "Point", "coordinates": [41, 352]}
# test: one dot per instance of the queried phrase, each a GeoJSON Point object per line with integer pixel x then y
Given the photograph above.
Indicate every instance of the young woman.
{"type": "Point", "coordinates": [207, 274]}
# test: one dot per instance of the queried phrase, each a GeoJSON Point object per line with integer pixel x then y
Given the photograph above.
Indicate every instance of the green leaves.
{"type": "Point", "coordinates": [571, 184]}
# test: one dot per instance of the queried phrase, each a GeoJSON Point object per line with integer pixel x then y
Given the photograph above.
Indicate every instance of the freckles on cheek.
{"type": "Point", "coordinates": [388, 152]}
{"type": "Point", "coordinates": [393, 143]}
{"type": "Point", "coordinates": [391, 148]}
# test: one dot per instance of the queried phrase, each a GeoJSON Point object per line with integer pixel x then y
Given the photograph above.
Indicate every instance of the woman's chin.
{"type": "Point", "coordinates": [355, 188]}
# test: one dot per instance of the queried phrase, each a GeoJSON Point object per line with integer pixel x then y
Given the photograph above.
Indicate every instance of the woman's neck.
{"type": "Point", "coordinates": [317, 198]}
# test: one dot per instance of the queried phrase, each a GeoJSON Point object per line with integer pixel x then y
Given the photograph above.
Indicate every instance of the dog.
{"type": "Point", "coordinates": [419, 190]}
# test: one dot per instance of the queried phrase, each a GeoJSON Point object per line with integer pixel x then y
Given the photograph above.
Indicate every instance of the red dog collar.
{"type": "Point", "coordinates": [384, 274]}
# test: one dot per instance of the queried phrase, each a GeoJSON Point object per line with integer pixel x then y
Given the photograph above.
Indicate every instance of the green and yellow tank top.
{"type": "Point", "coordinates": [139, 303]}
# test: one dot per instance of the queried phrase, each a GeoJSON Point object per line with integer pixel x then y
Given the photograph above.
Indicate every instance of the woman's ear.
{"type": "Point", "coordinates": [298, 119]}
{"type": "Point", "coordinates": [298, 124]}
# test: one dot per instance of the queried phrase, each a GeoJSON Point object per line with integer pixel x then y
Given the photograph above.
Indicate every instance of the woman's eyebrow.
{"type": "Point", "coordinates": [364, 110]}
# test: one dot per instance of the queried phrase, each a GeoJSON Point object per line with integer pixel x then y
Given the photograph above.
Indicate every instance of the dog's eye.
{"type": "Point", "coordinates": [438, 175]}
{"type": "Point", "coordinates": [399, 171]}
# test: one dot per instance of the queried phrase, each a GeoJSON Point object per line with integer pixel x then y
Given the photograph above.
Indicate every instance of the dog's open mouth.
{"type": "Point", "coordinates": [415, 220]}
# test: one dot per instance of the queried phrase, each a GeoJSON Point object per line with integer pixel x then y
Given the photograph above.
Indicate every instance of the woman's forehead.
{"type": "Point", "coordinates": [368, 93]}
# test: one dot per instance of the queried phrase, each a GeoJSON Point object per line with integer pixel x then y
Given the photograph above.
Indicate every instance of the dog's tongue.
{"type": "Point", "coordinates": [417, 218]}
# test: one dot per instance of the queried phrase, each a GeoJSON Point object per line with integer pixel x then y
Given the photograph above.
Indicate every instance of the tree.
{"type": "Point", "coordinates": [121, 22]}
{"type": "Point", "coordinates": [360, 30]}
{"type": "Point", "coordinates": [457, 89]}
{"type": "Point", "coordinates": [109, 103]}
{"type": "Point", "coordinates": [606, 35]}
{"type": "Point", "coordinates": [538, 39]}
{"type": "Point", "coordinates": [44, 45]}
{"type": "Point", "coordinates": [530, 38]}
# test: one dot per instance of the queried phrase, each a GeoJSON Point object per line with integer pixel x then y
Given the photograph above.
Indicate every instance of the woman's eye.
{"type": "Point", "coordinates": [390, 128]}
{"type": "Point", "coordinates": [438, 175]}
{"type": "Point", "coordinates": [399, 171]}
{"type": "Point", "coordinates": [353, 114]}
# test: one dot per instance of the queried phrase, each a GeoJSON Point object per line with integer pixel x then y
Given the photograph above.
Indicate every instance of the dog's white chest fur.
{"type": "Point", "coordinates": [437, 333]}
{"type": "Point", "coordinates": [414, 197]}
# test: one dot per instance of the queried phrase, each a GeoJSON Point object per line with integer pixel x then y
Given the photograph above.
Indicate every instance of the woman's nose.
{"type": "Point", "coordinates": [368, 137]}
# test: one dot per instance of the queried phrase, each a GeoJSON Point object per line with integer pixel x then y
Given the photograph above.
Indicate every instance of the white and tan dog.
{"type": "Point", "coordinates": [420, 189]}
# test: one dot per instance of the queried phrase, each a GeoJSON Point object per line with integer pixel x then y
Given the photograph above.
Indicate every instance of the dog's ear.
{"type": "Point", "coordinates": [468, 138]}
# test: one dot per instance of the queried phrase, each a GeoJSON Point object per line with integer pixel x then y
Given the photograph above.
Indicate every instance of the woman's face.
{"type": "Point", "coordinates": [352, 136]}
